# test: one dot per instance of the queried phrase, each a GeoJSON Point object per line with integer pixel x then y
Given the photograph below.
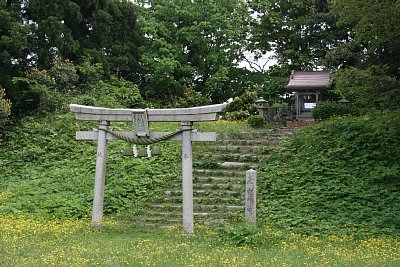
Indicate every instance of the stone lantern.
{"type": "Point", "coordinates": [262, 107]}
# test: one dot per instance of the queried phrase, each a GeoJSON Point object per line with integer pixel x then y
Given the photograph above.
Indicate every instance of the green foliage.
{"type": "Point", "coordinates": [43, 90]}
{"type": "Point", "coordinates": [86, 100]}
{"type": "Point", "coordinates": [256, 121]}
{"type": "Point", "coordinates": [328, 109]}
{"type": "Point", "coordinates": [375, 28]}
{"type": "Point", "coordinates": [368, 88]}
{"type": "Point", "coordinates": [241, 235]}
{"type": "Point", "coordinates": [237, 115]}
{"type": "Point", "coordinates": [5, 109]}
{"type": "Point", "coordinates": [105, 31]}
{"type": "Point", "coordinates": [89, 75]}
{"type": "Point", "coordinates": [299, 31]}
{"type": "Point", "coordinates": [191, 98]}
{"type": "Point", "coordinates": [47, 173]}
{"type": "Point", "coordinates": [14, 42]}
{"type": "Point", "coordinates": [54, 89]}
{"type": "Point", "coordinates": [243, 106]}
{"type": "Point", "coordinates": [192, 45]}
{"type": "Point", "coordinates": [127, 93]}
{"type": "Point", "coordinates": [341, 175]}
{"type": "Point", "coordinates": [64, 76]}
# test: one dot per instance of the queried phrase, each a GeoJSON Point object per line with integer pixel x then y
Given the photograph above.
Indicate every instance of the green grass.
{"type": "Point", "coordinates": [25, 242]}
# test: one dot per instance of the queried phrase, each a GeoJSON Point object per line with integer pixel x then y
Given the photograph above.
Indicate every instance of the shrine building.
{"type": "Point", "coordinates": [308, 88]}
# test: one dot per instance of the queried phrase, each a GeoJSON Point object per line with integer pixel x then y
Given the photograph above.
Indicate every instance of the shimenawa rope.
{"type": "Point", "coordinates": [143, 141]}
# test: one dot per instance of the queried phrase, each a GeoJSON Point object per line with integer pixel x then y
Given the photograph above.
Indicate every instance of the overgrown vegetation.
{"type": "Point", "coordinates": [5, 109]}
{"type": "Point", "coordinates": [242, 106]}
{"type": "Point", "coordinates": [340, 176]}
{"type": "Point", "coordinates": [370, 88]}
{"type": "Point", "coordinates": [328, 109]}
{"type": "Point", "coordinates": [46, 173]}
{"type": "Point", "coordinates": [256, 121]}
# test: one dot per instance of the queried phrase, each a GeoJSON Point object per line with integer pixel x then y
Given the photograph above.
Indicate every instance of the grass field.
{"type": "Point", "coordinates": [25, 242]}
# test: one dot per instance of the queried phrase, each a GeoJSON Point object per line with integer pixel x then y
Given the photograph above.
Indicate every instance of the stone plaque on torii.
{"type": "Point", "coordinates": [141, 134]}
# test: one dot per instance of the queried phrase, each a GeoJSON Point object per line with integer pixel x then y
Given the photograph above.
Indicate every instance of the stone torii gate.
{"type": "Point", "coordinates": [141, 134]}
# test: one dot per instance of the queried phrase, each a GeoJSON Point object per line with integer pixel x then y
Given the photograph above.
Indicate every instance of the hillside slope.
{"type": "Point", "coordinates": [45, 172]}
{"type": "Point", "coordinates": [342, 175]}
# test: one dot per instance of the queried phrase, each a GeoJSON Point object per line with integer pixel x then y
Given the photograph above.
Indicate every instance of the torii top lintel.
{"type": "Point", "coordinates": [202, 113]}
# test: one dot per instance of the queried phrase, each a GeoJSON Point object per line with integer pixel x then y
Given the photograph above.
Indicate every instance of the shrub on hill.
{"type": "Point", "coordinates": [5, 108]}
{"type": "Point", "coordinates": [328, 109]}
{"type": "Point", "coordinates": [242, 106]}
{"type": "Point", "coordinates": [342, 175]}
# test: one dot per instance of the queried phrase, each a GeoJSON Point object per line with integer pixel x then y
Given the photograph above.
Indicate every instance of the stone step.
{"type": "Point", "coordinates": [219, 173]}
{"type": "Point", "coordinates": [218, 200]}
{"type": "Point", "coordinates": [271, 134]}
{"type": "Point", "coordinates": [208, 192]}
{"type": "Point", "coordinates": [154, 218]}
{"type": "Point", "coordinates": [217, 183]}
{"type": "Point", "coordinates": [207, 164]}
{"type": "Point", "coordinates": [224, 165]}
{"type": "Point", "coordinates": [236, 165]}
{"type": "Point", "coordinates": [207, 199]}
{"type": "Point", "coordinates": [252, 142]}
{"type": "Point", "coordinates": [216, 186]}
{"type": "Point", "coordinates": [202, 200]}
{"type": "Point", "coordinates": [241, 149]}
{"type": "Point", "coordinates": [220, 180]}
{"type": "Point", "coordinates": [166, 207]}
{"type": "Point", "coordinates": [218, 157]}
{"type": "Point", "coordinates": [176, 217]}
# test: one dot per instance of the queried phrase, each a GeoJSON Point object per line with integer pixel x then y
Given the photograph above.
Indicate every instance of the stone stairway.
{"type": "Point", "coordinates": [218, 178]}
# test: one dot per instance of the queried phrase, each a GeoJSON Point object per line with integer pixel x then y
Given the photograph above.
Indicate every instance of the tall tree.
{"type": "Point", "coordinates": [376, 27]}
{"type": "Point", "coordinates": [116, 38]}
{"type": "Point", "coordinates": [14, 48]}
{"type": "Point", "coordinates": [192, 44]}
{"type": "Point", "coordinates": [300, 32]}
{"type": "Point", "coordinates": [104, 30]}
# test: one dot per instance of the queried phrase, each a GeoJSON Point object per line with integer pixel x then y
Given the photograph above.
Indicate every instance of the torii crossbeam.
{"type": "Point", "coordinates": [140, 119]}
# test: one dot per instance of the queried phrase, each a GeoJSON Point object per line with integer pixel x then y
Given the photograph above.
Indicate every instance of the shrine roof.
{"type": "Point", "coordinates": [309, 79]}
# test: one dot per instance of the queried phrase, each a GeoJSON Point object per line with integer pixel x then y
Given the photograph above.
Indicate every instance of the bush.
{"type": "Point", "coordinates": [64, 75]}
{"type": "Point", "coordinates": [86, 100]}
{"type": "Point", "coordinates": [123, 92]}
{"type": "Point", "coordinates": [5, 109]}
{"type": "Point", "coordinates": [237, 115]}
{"type": "Point", "coordinates": [256, 121]}
{"type": "Point", "coordinates": [191, 98]}
{"type": "Point", "coordinates": [243, 106]}
{"type": "Point", "coordinates": [371, 88]}
{"type": "Point", "coordinates": [328, 109]}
